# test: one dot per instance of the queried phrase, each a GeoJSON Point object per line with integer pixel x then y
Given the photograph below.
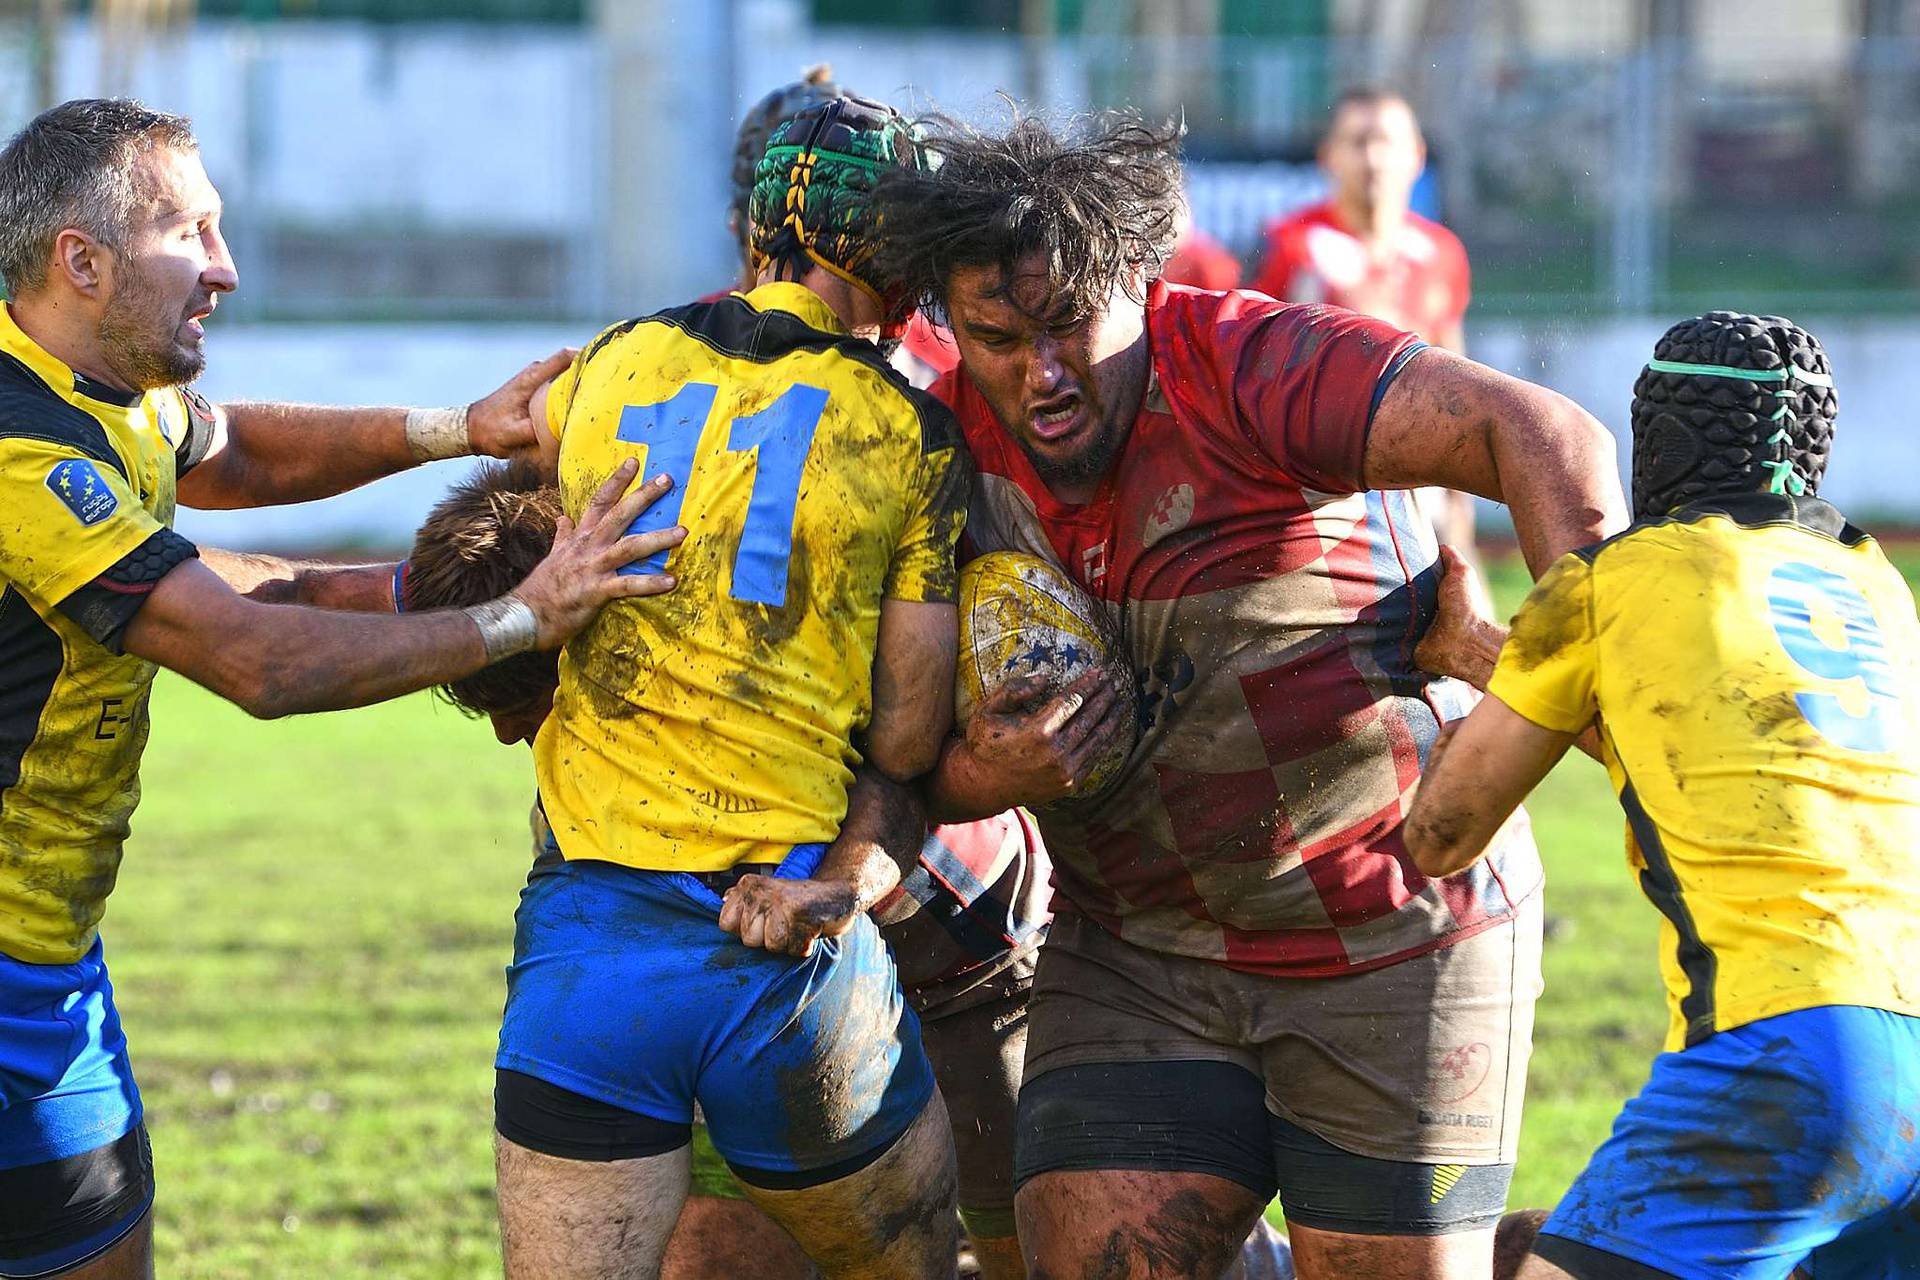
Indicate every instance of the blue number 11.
{"type": "Point", "coordinates": [780, 437]}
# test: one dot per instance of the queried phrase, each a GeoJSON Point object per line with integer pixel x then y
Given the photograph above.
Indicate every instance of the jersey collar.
{"type": "Point", "coordinates": [1753, 510]}
{"type": "Point", "coordinates": [66, 382]}
{"type": "Point", "coordinates": [797, 299]}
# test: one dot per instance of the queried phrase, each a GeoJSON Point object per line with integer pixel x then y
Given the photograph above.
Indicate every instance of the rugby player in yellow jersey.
{"type": "Point", "coordinates": [111, 252]}
{"type": "Point", "coordinates": [698, 758]}
{"type": "Point", "coordinates": [1754, 664]}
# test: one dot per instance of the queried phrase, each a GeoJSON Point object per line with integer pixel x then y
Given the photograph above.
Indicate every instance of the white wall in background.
{"type": "Point", "coordinates": [443, 126]}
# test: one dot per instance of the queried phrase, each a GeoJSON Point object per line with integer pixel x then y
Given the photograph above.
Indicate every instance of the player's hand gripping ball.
{"type": "Point", "coordinates": [1022, 619]}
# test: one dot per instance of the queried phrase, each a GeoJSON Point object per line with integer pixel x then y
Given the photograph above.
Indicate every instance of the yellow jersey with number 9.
{"type": "Point", "coordinates": [1755, 663]}
{"type": "Point", "coordinates": [716, 724]}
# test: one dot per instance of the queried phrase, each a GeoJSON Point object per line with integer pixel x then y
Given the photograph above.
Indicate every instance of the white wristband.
{"type": "Point", "coordinates": [437, 433]}
{"type": "Point", "coordinates": [507, 626]}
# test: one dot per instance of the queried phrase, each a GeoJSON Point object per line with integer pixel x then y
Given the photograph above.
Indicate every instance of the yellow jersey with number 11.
{"type": "Point", "coordinates": [717, 724]}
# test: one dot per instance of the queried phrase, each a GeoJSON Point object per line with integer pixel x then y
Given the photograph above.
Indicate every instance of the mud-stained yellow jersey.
{"type": "Point", "coordinates": [87, 479]}
{"type": "Point", "coordinates": [1755, 663]}
{"type": "Point", "coordinates": [716, 724]}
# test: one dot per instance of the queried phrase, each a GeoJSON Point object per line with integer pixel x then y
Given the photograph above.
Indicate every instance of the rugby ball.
{"type": "Point", "coordinates": [1021, 616]}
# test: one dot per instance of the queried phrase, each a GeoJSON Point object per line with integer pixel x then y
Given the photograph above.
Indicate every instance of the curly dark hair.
{"type": "Point", "coordinates": [1702, 434]}
{"type": "Point", "coordinates": [477, 544]}
{"type": "Point", "coordinates": [1099, 196]}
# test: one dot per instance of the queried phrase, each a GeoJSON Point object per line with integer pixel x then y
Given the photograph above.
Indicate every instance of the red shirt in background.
{"type": "Point", "coordinates": [1203, 262]}
{"type": "Point", "coordinates": [1421, 286]}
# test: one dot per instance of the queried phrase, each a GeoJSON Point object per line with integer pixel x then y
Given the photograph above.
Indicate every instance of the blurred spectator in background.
{"type": "Point", "coordinates": [1365, 249]}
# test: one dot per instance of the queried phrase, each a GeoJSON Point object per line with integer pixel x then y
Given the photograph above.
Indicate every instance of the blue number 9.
{"type": "Point", "coordinates": [1794, 591]}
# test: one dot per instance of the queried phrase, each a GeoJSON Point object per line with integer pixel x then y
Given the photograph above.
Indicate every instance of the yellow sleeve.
{"type": "Point", "coordinates": [1547, 668]}
{"type": "Point", "coordinates": [923, 570]}
{"type": "Point", "coordinates": [65, 518]}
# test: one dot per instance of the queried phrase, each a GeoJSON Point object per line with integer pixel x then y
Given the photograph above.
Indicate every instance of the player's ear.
{"type": "Point", "coordinates": [83, 262]}
{"type": "Point", "coordinates": [546, 459]}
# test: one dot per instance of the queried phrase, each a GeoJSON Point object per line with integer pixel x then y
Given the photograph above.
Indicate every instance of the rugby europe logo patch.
{"type": "Point", "coordinates": [78, 483]}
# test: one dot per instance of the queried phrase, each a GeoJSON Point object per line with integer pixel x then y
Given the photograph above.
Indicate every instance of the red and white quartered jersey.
{"type": "Point", "coordinates": [1270, 609]}
{"type": "Point", "coordinates": [1422, 285]}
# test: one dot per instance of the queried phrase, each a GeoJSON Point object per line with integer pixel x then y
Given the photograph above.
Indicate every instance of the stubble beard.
{"type": "Point", "coordinates": [139, 341]}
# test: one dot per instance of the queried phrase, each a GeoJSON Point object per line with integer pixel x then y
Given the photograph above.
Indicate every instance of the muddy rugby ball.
{"type": "Point", "coordinates": [1021, 616]}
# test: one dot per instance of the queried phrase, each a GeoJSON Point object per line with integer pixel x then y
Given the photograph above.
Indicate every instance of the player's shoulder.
{"type": "Point", "coordinates": [1205, 332]}
{"type": "Point", "coordinates": [30, 411]}
{"type": "Point", "coordinates": [1716, 519]}
{"type": "Point", "coordinates": [733, 327]}
{"type": "Point", "coordinates": [1440, 233]}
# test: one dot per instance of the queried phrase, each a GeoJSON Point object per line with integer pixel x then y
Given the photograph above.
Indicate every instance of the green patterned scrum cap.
{"type": "Point", "coordinates": [812, 191]}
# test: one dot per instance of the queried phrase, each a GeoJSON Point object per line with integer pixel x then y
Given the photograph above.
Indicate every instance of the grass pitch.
{"type": "Point", "coordinates": [308, 938]}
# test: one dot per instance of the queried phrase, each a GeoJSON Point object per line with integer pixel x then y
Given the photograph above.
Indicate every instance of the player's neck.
{"type": "Point", "coordinates": [853, 305]}
{"type": "Point", "coordinates": [69, 334]}
{"type": "Point", "coordinates": [1373, 224]}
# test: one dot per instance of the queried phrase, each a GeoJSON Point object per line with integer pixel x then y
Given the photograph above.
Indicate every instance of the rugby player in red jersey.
{"type": "Point", "coordinates": [1248, 987]}
{"type": "Point", "coordinates": [1365, 249]}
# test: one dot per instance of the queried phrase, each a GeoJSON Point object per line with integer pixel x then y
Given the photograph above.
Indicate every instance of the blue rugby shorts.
{"type": "Point", "coordinates": [66, 1085]}
{"type": "Point", "coordinates": [75, 1170]}
{"type": "Point", "coordinates": [1791, 1141]}
{"type": "Point", "coordinates": [624, 989]}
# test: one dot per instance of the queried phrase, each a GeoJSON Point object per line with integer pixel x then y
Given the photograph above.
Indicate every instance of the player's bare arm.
{"type": "Point", "coordinates": [1478, 772]}
{"type": "Point", "coordinates": [1448, 421]}
{"type": "Point", "coordinates": [363, 588]}
{"type": "Point", "coordinates": [266, 454]}
{"type": "Point", "coordinates": [276, 660]}
{"type": "Point", "coordinates": [1464, 643]}
{"type": "Point", "coordinates": [913, 664]}
{"type": "Point", "coordinates": [913, 668]}
{"type": "Point", "coordinates": [879, 839]}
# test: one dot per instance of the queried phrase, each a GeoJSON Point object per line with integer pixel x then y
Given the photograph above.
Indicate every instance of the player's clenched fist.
{"type": "Point", "coordinates": [1025, 748]}
{"type": "Point", "coordinates": [582, 572]}
{"type": "Point", "coordinates": [788, 915]}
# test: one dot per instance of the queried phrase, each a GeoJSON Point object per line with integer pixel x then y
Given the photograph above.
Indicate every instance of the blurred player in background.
{"type": "Point", "coordinates": [698, 760]}
{"type": "Point", "coordinates": [1247, 986]}
{"type": "Point", "coordinates": [1754, 664]}
{"type": "Point", "coordinates": [111, 251]}
{"type": "Point", "coordinates": [1364, 248]}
